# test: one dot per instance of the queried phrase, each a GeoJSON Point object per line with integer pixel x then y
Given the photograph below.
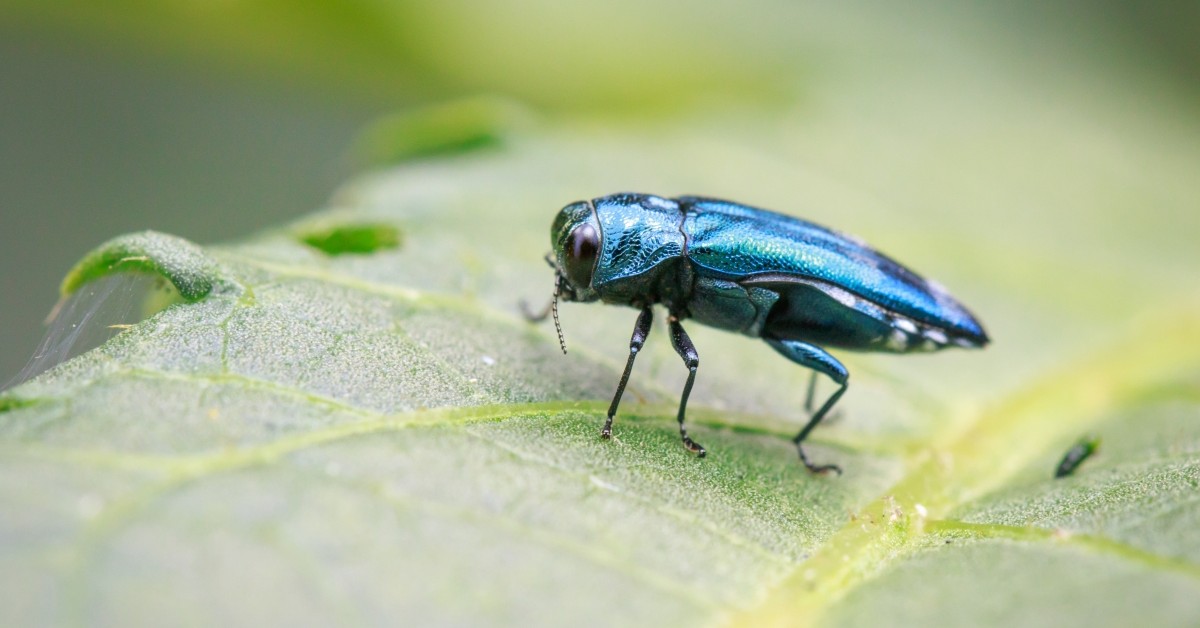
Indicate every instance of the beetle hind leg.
{"type": "Point", "coordinates": [815, 358]}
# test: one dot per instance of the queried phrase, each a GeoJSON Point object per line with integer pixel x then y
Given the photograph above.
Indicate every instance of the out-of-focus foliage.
{"type": "Point", "coordinates": [621, 56]}
{"type": "Point", "coordinates": [591, 55]}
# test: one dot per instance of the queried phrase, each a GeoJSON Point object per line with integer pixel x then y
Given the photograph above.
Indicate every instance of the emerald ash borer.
{"type": "Point", "coordinates": [796, 285]}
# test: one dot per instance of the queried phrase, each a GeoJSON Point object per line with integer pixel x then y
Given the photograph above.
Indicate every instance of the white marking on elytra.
{"type": "Point", "coordinates": [904, 325]}
{"type": "Point", "coordinates": [897, 340]}
{"type": "Point", "coordinates": [661, 203]}
{"type": "Point", "coordinates": [936, 335]}
{"type": "Point", "coordinates": [842, 296]}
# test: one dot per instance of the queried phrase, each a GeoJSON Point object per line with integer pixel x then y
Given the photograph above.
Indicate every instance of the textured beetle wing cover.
{"type": "Point", "coordinates": [738, 242]}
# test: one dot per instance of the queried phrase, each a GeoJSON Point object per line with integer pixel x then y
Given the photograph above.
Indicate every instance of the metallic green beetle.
{"type": "Point", "coordinates": [796, 285]}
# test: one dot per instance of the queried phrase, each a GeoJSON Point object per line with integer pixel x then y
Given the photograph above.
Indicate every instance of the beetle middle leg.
{"type": "Point", "coordinates": [811, 394]}
{"type": "Point", "coordinates": [812, 390]}
{"type": "Point", "coordinates": [686, 350]}
{"type": "Point", "coordinates": [818, 360]}
{"type": "Point", "coordinates": [641, 329]}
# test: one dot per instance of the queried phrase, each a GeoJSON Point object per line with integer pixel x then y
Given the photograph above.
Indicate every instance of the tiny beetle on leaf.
{"type": "Point", "coordinates": [796, 285]}
{"type": "Point", "coordinates": [1075, 456]}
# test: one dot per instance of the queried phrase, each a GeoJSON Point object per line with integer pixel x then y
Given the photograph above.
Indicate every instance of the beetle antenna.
{"type": "Point", "coordinates": [554, 310]}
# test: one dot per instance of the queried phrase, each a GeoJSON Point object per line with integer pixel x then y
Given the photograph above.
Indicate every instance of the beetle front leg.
{"type": "Point", "coordinates": [817, 359]}
{"type": "Point", "coordinates": [686, 350]}
{"type": "Point", "coordinates": [641, 329]}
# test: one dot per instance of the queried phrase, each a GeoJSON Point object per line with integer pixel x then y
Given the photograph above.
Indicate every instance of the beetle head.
{"type": "Point", "coordinates": [576, 240]}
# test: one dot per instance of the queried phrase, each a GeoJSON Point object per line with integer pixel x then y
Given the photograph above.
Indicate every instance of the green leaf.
{"type": "Point", "coordinates": [357, 428]}
{"type": "Point", "coordinates": [185, 265]}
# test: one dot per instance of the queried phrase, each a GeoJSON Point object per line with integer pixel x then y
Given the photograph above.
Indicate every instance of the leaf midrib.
{"type": "Point", "coordinates": [998, 445]}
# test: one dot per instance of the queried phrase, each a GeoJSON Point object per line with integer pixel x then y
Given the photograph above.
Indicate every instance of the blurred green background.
{"type": "Point", "coordinates": [214, 119]}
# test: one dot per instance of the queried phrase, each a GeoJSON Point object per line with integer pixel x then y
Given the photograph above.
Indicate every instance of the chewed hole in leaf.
{"type": "Point", "coordinates": [359, 239]}
{"type": "Point", "coordinates": [14, 403]}
{"type": "Point", "coordinates": [94, 313]}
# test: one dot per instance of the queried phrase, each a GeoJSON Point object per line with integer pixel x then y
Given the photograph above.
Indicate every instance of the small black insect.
{"type": "Point", "coordinates": [1076, 455]}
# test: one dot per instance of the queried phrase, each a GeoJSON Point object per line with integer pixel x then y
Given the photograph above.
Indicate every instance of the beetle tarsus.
{"type": "Point", "coordinates": [818, 469]}
{"type": "Point", "coordinates": [693, 446]}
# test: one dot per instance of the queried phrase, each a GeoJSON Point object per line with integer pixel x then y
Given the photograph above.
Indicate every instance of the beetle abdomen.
{"type": "Point", "coordinates": [827, 315]}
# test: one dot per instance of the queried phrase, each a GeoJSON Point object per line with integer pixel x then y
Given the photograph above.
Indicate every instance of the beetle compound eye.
{"type": "Point", "coordinates": [582, 247]}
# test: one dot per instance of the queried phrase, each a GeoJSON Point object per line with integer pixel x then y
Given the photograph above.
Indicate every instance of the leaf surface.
{"type": "Point", "coordinates": [346, 420]}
